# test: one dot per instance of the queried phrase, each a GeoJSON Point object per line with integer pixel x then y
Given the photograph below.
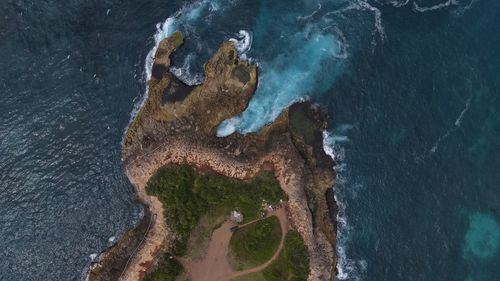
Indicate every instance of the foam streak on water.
{"type": "Point", "coordinates": [439, 6]}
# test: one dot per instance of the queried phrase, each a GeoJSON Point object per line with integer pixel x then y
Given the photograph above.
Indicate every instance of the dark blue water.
{"type": "Point", "coordinates": [69, 72]}
{"type": "Point", "coordinates": [411, 87]}
{"type": "Point", "coordinates": [421, 166]}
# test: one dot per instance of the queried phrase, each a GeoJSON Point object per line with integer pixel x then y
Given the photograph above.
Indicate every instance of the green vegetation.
{"type": "Point", "coordinates": [188, 196]}
{"type": "Point", "coordinates": [177, 39]}
{"type": "Point", "coordinates": [167, 270]}
{"type": "Point", "coordinates": [291, 265]}
{"type": "Point", "coordinates": [255, 243]}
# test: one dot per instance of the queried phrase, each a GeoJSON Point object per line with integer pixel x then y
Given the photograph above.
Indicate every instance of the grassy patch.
{"type": "Point", "coordinates": [177, 39]}
{"type": "Point", "coordinates": [291, 265]}
{"type": "Point", "coordinates": [254, 244]}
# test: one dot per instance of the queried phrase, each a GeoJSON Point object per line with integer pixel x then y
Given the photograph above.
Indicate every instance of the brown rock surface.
{"type": "Point", "coordinates": [182, 131]}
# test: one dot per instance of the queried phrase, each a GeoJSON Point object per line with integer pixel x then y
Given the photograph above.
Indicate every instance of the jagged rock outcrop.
{"type": "Point", "coordinates": [177, 125]}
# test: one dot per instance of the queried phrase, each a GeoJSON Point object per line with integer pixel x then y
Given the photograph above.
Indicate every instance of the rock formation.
{"type": "Point", "coordinates": [177, 125]}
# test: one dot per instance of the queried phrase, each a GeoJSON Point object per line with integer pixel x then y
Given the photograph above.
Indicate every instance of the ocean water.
{"type": "Point", "coordinates": [70, 71]}
{"type": "Point", "coordinates": [411, 87]}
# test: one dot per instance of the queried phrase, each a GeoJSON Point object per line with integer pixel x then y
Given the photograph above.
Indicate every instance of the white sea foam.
{"type": "Point", "coordinates": [456, 125]}
{"type": "Point", "coordinates": [311, 14]}
{"type": "Point", "coordinates": [341, 43]}
{"type": "Point", "coordinates": [348, 269]}
{"type": "Point", "coordinates": [112, 240]}
{"type": "Point", "coordinates": [468, 6]}
{"type": "Point", "coordinates": [283, 82]}
{"type": "Point", "coordinates": [227, 127]}
{"type": "Point", "coordinates": [345, 266]}
{"type": "Point", "coordinates": [244, 42]}
{"type": "Point", "coordinates": [328, 144]}
{"type": "Point", "coordinates": [379, 28]}
{"type": "Point", "coordinates": [337, 153]}
{"type": "Point", "coordinates": [418, 8]}
{"type": "Point", "coordinates": [459, 6]}
{"type": "Point", "coordinates": [458, 121]}
{"type": "Point", "coordinates": [184, 72]}
{"type": "Point", "coordinates": [364, 5]}
{"type": "Point", "coordinates": [163, 30]}
{"type": "Point", "coordinates": [344, 127]}
{"type": "Point", "coordinates": [93, 256]}
{"type": "Point", "coordinates": [399, 4]}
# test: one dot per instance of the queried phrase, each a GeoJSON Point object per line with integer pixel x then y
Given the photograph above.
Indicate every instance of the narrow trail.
{"type": "Point", "coordinates": [215, 266]}
{"type": "Point", "coordinates": [281, 214]}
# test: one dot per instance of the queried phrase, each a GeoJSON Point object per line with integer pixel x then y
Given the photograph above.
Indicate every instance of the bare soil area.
{"type": "Point", "coordinates": [215, 266]}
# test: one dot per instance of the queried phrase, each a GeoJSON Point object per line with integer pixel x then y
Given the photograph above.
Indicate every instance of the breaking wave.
{"type": "Point", "coordinates": [293, 75]}
{"type": "Point", "coordinates": [244, 42]}
{"type": "Point", "coordinates": [185, 73]}
{"type": "Point", "coordinates": [332, 144]}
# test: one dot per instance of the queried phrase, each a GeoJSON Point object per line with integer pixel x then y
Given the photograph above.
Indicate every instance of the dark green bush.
{"type": "Point", "coordinates": [167, 270]}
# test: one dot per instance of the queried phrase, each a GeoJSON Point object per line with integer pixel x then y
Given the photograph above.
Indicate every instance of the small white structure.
{"type": "Point", "coordinates": [236, 216]}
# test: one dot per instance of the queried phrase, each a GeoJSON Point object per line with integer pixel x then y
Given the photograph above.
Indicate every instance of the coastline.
{"type": "Point", "coordinates": [183, 133]}
{"type": "Point", "coordinates": [290, 180]}
{"type": "Point", "coordinates": [111, 262]}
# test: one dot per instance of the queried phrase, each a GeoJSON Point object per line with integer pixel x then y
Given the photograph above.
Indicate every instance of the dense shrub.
{"type": "Point", "coordinates": [167, 270]}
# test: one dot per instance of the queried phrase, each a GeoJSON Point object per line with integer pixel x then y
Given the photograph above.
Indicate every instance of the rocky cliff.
{"type": "Point", "coordinates": [177, 125]}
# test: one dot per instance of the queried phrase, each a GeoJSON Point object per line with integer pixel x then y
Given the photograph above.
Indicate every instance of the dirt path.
{"type": "Point", "coordinates": [215, 266]}
{"type": "Point", "coordinates": [281, 214]}
{"type": "Point", "coordinates": [153, 241]}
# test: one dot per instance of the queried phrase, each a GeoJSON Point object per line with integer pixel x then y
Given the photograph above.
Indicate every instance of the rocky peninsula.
{"type": "Point", "coordinates": [177, 126]}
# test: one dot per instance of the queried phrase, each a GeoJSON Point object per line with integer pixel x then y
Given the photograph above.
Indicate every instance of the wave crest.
{"type": "Point", "coordinates": [244, 42]}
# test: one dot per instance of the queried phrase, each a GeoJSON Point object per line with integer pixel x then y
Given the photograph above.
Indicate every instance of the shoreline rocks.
{"type": "Point", "coordinates": [182, 131]}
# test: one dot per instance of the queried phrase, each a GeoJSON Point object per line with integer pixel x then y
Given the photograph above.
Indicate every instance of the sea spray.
{"type": "Point", "coordinates": [346, 267]}
{"type": "Point", "coordinates": [293, 75]}
{"type": "Point", "coordinates": [244, 42]}
{"type": "Point", "coordinates": [185, 73]}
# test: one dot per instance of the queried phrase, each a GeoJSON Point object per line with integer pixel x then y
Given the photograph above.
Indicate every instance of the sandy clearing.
{"type": "Point", "coordinates": [215, 266]}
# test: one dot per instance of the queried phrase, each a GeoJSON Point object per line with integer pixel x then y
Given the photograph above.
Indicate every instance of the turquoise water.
{"type": "Point", "coordinates": [482, 239]}
{"type": "Point", "coordinates": [293, 52]}
{"type": "Point", "coordinates": [411, 87]}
